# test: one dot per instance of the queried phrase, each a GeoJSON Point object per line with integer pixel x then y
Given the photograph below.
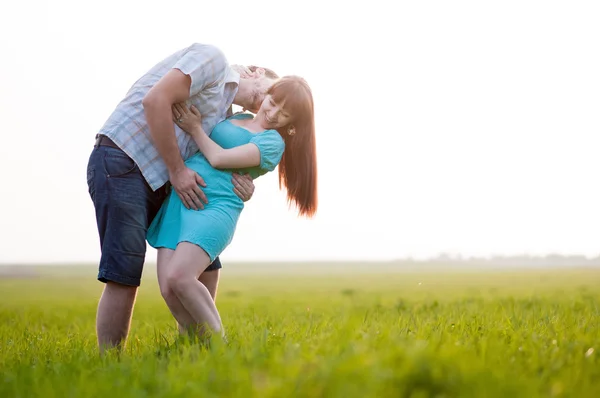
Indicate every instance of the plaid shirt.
{"type": "Point", "coordinates": [214, 85]}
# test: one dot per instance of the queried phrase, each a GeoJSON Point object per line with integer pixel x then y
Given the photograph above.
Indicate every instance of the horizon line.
{"type": "Point", "coordinates": [443, 257]}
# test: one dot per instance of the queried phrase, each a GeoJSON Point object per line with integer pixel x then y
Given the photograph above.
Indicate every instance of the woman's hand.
{"type": "Point", "coordinates": [189, 120]}
{"type": "Point", "coordinates": [242, 70]}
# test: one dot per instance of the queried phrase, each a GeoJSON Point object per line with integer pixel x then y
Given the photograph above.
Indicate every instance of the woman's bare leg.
{"type": "Point", "coordinates": [185, 267]}
{"type": "Point", "coordinates": [181, 315]}
{"type": "Point", "coordinates": [210, 279]}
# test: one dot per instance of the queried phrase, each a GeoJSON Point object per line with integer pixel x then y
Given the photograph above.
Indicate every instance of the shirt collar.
{"type": "Point", "coordinates": [232, 77]}
{"type": "Point", "coordinates": [232, 80]}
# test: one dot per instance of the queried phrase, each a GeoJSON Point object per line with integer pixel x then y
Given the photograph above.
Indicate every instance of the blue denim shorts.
{"type": "Point", "coordinates": [125, 206]}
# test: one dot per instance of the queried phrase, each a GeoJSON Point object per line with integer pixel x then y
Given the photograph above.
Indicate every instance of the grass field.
{"type": "Point", "coordinates": [315, 331]}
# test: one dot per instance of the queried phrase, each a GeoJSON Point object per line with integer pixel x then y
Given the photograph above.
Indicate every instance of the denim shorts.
{"type": "Point", "coordinates": [125, 206]}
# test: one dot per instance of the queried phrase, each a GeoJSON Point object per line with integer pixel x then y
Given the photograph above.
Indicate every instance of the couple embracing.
{"type": "Point", "coordinates": [173, 166]}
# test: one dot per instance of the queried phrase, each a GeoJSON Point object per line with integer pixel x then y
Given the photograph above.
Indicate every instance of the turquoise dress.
{"type": "Point", "coordinates": [213, 227]}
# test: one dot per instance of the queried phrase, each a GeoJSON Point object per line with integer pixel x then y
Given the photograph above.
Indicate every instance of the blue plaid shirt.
{"type": "Point", "coordinates": [214, 85]}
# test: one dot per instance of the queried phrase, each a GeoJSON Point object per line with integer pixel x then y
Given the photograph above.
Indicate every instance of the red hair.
{"type": "Point", "coordinates": [298, 166]}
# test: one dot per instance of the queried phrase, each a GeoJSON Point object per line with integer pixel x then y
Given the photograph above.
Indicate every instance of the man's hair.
{"type": "Point", "coordinates": [268, 72]}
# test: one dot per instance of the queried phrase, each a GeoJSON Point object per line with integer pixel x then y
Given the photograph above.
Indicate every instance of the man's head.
{"type": "Point", "coordinates": [254, 83]}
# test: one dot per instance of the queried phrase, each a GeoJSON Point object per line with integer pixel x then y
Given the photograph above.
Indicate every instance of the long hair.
{"type": "Point", "coordinates": [298, 166]}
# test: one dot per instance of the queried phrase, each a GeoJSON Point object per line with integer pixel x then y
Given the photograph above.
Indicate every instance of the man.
{"type": "Point", "coordinates": [139, 150]}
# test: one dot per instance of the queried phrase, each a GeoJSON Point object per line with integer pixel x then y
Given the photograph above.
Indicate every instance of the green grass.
{"type": "Point", "coordinates": [305, 333]}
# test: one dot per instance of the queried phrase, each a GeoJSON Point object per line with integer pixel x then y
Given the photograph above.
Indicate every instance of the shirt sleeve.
{"type": "Point", "coordinates": [205, 64]}
{"type": "Point", "coordinates": [271, 147]}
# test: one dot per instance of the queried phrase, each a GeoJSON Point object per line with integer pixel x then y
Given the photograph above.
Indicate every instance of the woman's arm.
{"type": "Point", "coordinates": [235, 158]}
{"type": "Point", "coordinates": [238, 157]}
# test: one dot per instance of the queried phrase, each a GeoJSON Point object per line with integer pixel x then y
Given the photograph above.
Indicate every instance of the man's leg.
{"type": "Point", "coordinates": [113, 318]}
{"type": "Point", "coordinates": [124, 205]}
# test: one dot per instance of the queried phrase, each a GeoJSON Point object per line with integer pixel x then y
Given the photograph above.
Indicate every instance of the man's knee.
{"type": "Point", "coordinates": [119, 295]}
{"type": "Point", "coordinates": [114, 314]}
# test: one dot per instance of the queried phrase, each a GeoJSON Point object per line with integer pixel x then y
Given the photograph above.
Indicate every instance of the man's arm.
{"type": "Point", "coordinates": [172, 88]}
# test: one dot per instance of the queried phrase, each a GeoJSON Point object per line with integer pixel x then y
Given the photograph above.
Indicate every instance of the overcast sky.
{"type": "Point", "coordinates": [463, 127]}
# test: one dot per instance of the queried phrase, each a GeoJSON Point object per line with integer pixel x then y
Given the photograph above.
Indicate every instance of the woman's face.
{"type": "Point", "coordinates": [273, 115]}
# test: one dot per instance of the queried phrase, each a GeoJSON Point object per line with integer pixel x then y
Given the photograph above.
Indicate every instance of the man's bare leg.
{"type": "Point", "coordinates": [113, 318]}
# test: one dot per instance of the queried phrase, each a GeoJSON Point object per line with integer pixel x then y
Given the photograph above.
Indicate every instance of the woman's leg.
{"type": "Point", "coordinates": [210, 279]}
{"type": "Point", "coordinates": [179, 312]}
{"type": "Point", "coordinates": [185, 267]}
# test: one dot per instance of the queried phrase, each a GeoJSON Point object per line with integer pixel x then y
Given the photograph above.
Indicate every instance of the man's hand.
{"type": "Point", "coordinates": [185, 182]}
{"type": "Point", "coordinates": [243, 186]}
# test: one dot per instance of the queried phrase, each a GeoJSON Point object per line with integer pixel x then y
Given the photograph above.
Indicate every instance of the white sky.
{"type": "Point", "coordinates": [464, 127]}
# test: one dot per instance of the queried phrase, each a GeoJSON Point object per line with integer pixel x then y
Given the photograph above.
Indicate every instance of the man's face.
{"type": "Point", "coordinates": [260, 86]}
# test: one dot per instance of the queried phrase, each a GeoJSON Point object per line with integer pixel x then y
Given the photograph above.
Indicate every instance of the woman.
{"type": "Point", "coordinates": [282, 133]}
